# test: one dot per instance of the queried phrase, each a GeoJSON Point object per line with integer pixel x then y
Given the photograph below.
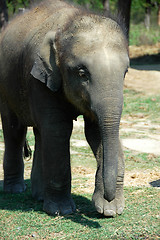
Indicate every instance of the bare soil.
{"type": "Point", "coordinates": [145, 81]}
{"type": "Point", "coordinates": [144, 78]}
{"type": "Point", "coordinates": [144, 74]}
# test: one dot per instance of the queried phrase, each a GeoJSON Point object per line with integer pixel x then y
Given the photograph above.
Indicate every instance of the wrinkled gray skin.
{"type": "Point", "coordinates": [57, 62]}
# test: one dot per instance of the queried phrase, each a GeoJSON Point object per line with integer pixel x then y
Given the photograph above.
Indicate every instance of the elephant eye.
{"type": "Point", "coordinates": [83, 72]}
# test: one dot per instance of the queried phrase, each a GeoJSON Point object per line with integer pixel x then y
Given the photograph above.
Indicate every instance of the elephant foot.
{"type": "Point", "coordinates": [14, 186]}
{"type": "Point", "coordinates": [59, 206]}
{"type": "Point", "coordinates": [37, 192]}
{"type": "Point", "coordinates": [37, 195]}
{"type": "Point", "coordinates": [109, 209]}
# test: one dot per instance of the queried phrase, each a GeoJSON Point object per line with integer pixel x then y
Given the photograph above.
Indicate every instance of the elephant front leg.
{"type": "Point", "coordinates": [102, 206]}
{"type": "Point", "coordinates": [56, 169]}
{"type": "Point", "coordinates": [14, 138]}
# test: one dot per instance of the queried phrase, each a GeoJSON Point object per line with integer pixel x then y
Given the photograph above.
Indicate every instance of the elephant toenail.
{"type": "Point", "coordinates": [109, 213]}
{"type": "Point", "coordinates": [120, 210]}
{"type": "Point", "coordinates": [99, 209]}
{"type": "Point", "coordinates": [57, 213]}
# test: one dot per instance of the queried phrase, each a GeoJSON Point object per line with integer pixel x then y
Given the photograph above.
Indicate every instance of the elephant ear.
{"type": "Point", "coordinates": [45, 67]}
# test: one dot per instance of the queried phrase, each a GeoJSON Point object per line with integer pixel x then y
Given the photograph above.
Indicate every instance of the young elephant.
{"type": "Point", "coordinates": [57, 62]}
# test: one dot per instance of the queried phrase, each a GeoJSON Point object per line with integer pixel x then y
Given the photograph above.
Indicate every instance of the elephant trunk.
{"type": "Point", "coordinates": [109, 121]}
{"type": "Point", "coordinates": [110, 140]}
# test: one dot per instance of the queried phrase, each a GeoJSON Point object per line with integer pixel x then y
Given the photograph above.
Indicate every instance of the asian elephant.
{"type": "Point", "coordinates": [58, 61]}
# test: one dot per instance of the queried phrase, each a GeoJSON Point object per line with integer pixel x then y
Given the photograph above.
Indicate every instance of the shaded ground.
{"type": "Point", "coordinates": [146, 59]}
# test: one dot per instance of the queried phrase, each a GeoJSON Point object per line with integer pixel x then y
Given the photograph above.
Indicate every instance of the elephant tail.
{"type": "Point", "coordinates": [27, 150]}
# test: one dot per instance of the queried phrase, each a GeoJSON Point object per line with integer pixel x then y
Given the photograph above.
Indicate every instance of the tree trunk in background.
{"type": "Point", "coordinates": [158, 14]}
{"type": "Point", "coordinates": [106, 5]}
{"type": "Point", "coordinates": [147, 14]}
{"type": "Point", "coordinates": [124, 8]}
{"type": "Point", "coordinates": [3, 14]}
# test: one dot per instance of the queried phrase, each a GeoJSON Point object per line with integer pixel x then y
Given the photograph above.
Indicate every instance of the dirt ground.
{"type": "Point", "coordinates": [146, 81]}
{"type": "Point", "coordinates": [144, 77]}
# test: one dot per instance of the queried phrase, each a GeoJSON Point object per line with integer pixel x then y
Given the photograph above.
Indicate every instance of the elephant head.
{"type": "Point", "coordinates": [89, 59]}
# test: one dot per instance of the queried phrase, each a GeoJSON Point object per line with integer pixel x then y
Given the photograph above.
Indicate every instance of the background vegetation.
{"type": "Point", "coordinates": [144, 15]}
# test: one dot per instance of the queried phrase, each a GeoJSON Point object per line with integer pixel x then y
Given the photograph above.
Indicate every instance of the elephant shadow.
{"type": "Point", "coordinates": [146, 62]}
{"type": "Point", "coordinates": [84, 215]}
{"type": "Point", "coordinates": [155, 183]}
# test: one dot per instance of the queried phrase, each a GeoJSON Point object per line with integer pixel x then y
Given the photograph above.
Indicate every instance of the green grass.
{"type": "Point", "coordinates": [141, 161]}
{"type": "Point", "coordinates": [23, 218]}
{"type": "Point", "coordinates": [135, 104]}
{"type": "Point", "coordinates": [30, 137]}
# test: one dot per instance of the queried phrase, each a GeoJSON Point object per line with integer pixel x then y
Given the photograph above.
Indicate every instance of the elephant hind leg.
{"type": "Point", "coordinates": [36, 174]}
{"type": "Point", "coordinates": [14, 139]}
